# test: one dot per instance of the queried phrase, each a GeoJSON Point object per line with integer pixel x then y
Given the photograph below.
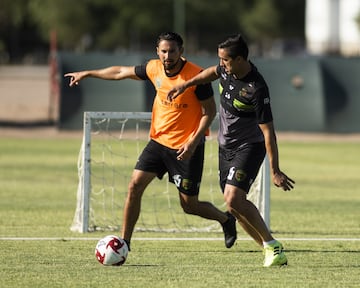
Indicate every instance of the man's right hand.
{"type": "Point", "coordinates": [75, 77]}
{"type": "Point", "coordinates": [175, 92]}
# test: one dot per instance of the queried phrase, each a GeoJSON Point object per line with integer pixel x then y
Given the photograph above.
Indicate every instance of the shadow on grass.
{"type": "Point", "coordinates": [320, 251]}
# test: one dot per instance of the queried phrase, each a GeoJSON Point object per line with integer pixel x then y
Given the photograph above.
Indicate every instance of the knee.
{"type": "Point", "coordinates": [189, 207]}
{"type": "Point", "coordinates": [230, 200]}
{"type": "Point", "coordinates": [234, 199]}
{"type": "Point", "coordinates": [135, 190]}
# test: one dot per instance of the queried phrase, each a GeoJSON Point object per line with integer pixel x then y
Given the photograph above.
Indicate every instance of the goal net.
{"type": "Point", "coordinates": [112, 141]}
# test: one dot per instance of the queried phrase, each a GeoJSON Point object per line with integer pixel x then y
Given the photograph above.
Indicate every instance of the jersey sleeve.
{"type": "Point", "coordinates": [262, 105]}
{"type": "Point", "coordinates": [204, 91]}
{"type": "Point", "coordinates": [140, 71]}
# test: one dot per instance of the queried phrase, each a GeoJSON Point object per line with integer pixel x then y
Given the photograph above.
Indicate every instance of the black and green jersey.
{"type": "Point", "coordinates": [244, 103]}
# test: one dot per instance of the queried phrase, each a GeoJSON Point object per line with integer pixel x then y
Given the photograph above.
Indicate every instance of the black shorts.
{"type": "Point", "coordinates": [240, 166]}
{"type": "Point", "coordinates": [186, 174]}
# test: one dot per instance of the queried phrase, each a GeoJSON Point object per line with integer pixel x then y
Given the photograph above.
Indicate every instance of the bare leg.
{"type": "Point", "coordinates": [192, 205]}
{"type": "Point", "coordinates": [249, 229]}
{"type": "Point", "coordinates": [139, 181]}
{"type": "Point", "coordinates": [247, 214]}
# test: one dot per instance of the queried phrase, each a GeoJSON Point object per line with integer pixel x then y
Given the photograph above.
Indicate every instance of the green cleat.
{"type": "Point", "coordinates": [274, 255]}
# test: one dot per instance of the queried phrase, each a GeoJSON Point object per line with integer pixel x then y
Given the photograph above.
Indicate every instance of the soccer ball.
{"type": "Point", "coordinates": [111, 251]}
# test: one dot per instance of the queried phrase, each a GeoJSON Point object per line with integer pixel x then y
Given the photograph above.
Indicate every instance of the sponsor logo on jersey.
{"type": "Point", "coordinates": [158, 82]}
{"type": "Point", "coordinates": [243, 92]}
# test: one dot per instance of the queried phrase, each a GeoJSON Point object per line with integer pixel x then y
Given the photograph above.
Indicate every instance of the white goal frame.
{"type": "Point", "coordinates": [82, 212]}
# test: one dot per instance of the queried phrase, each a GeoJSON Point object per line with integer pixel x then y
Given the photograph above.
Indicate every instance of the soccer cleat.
{"type": "Point", "coordinates": [274, 255]}
{"type": "Point", "coordinates": [229, 228]}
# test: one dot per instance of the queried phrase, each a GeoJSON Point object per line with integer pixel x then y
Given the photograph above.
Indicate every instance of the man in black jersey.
{"type": "Point", "coordinates": [246, 134]}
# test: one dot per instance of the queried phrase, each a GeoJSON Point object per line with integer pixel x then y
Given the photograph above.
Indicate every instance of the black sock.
{"type": "Point", "coordinates": [128, 244]}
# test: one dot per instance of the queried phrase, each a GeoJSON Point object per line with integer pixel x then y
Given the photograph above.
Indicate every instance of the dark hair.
{"type": "Point", "coordinates": [170, 36]}
{"type": "Point", "coordinates": [236, 46]}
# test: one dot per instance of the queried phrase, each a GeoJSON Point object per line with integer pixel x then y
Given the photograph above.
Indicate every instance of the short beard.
{"type": "Point", "coordinates": [172, 65]}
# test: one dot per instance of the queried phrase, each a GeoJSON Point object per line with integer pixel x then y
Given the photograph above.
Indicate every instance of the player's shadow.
{"type": "Point", "coordinates": [301, 234]}
{"type": "Point", "coordinates": [319, 251]}
{"type": "Point", "coordinates": [144, 265]}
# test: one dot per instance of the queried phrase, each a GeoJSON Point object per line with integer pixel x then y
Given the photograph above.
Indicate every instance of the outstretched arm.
{"type": "Point", "coordinates": [279, 178]}
{"type": "Point", "coordinates": [109, 73]}
{"type": "Point", "coordinates": [205, 76]}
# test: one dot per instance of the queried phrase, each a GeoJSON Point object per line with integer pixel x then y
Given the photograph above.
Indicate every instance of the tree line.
{"type": "Point", "coordinates": [124, 25]}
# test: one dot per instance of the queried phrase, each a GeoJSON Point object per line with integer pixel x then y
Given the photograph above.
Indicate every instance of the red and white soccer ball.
{"type": "Point", "coordinates": [111, 251]}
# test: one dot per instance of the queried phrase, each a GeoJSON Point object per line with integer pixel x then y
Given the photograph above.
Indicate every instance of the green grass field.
{"type": "Point", "coordinates": [318, 223]}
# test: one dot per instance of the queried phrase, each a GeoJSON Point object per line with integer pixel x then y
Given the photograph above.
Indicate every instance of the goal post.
{"type": "Point", "coordinates": [111, 144]}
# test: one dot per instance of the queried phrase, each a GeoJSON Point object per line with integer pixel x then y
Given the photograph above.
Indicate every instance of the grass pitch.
{"type": "Point", "coordinates": [318, 223]}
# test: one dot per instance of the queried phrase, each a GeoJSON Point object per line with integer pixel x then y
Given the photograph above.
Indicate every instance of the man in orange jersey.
{"type": "Point", "coordinates": [177, 133]}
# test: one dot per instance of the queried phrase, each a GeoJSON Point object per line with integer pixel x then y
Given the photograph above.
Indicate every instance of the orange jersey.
{"type": "Point", "coordinates": [173, 123]}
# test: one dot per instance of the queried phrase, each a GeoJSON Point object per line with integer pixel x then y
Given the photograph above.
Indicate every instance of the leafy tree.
{"type": "Point", "coordinates": [17, 36]}
{"type": "Point", "coordinates": [209, 21]}
{"type": "Point", "coordinates": [69, 18]}
{"type": "Point", "coordinates": [109, 25]}
{"type": "Point", "coordinates": [261, 23]}
{"type": "Point", "coordinates": [101, 24]}
{"type": "Point", "coordinates": [291, 15]}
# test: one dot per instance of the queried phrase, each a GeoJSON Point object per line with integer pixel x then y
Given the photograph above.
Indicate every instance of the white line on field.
{"type": "Point", "coordinates": [164, 239]}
